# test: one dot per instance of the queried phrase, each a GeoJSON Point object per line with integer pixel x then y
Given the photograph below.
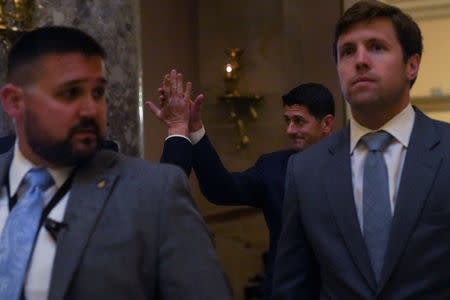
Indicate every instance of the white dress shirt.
{"type": "Point", "coordinates": [38, 277]}
{"type": "Point", "coordinates": [194, 137]}
{"type": "Point", "coordinates": [400, 127]}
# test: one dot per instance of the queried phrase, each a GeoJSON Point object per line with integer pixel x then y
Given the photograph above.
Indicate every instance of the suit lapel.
{"type": "Point", "coordinates": [90, 190]}
{"type": "Point", "coordinates": [421, 164]}
{"type": "Point", "coordinates": [5, 162]}
{"type": "Point", "coordinates": [340, 195]}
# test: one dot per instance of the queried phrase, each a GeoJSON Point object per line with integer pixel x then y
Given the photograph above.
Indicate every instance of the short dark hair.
{"type": "Point", "coordinates": [315, 97]}
{"type": "Point", "coordinates": [34, 44]}
{"type": "Point", "coordinates": [408, 32]}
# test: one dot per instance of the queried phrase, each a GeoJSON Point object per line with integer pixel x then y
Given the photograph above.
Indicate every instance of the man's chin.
{"type": "Point", "coordinates": [298, 147]}
{"type": "Point", "coordinates": [86, 148]}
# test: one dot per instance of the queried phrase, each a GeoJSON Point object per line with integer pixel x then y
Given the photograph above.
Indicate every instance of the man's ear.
{"type": "Point", "coordinates": [327, 123]}
{"type": "Point", "coordinates": [12, 100]}
{"type": "Point", "coordinates": [412, 66]}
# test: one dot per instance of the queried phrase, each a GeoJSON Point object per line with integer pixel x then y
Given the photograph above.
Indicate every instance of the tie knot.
{"type": "Point", "coordinates": [39, 177]}
{"type": "Point", "coordinates": [377, 141]}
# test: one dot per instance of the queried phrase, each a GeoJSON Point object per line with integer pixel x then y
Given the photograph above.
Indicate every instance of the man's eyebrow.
{"type": "Point", "coordinates": [346, 44]}
{"type": "Point", "coordinates": [377, 40]}
{"type": "Point", "coordinates": [102, 80]}
{"type": "Point", "coordinates": [70, 83]}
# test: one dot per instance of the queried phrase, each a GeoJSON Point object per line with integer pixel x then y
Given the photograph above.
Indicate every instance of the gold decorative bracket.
{"type": "Point", "coordinates": [15, 18]}
{"type": "Point", "coordinates": [242, 108]}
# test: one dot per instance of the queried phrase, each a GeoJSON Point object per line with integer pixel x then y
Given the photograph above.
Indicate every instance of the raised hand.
{"type": "Point", "coordinates": [175, 104]}
{"type": "Point", "coordinates": [195, 121]}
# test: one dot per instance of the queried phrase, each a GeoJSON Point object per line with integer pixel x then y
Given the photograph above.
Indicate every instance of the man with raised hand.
{"type": "Point", "coordinates": [309, 115]}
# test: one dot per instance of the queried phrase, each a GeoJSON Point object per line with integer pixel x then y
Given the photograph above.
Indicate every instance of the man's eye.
{"type": "Point", "coordinates": [297, 121]}
{"type": "Point", "coordinates": [71, 93]}
{"type": "Point", "coordinates": [346, 51]}
{"type": "Point", "coordinates": [377, 47]}
{"type": "Point", "coordinates": [98, 93]}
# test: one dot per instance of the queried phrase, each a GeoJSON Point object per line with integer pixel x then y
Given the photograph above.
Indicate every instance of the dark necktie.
{"type": "Point", "coordinates": [376, 202]}
{"type": "Point", "coordinates": [19, 233]}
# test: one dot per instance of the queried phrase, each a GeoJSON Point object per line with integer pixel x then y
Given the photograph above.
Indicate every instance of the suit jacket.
{"type": "Point", "coordinates": [261, 186]}
{"type": "Point", "coordinates": [6, 142]}
{"type": "Point", "coordinates": [319, 208]}
{"type": "Point", "coordinates": [133, 232]}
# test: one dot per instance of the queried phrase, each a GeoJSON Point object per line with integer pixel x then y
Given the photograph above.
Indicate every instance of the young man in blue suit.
{"type": "Point", "coordinates": [309, 115]}
{"type": "Point", "coordinates": [121, 227]}
{"type": "Point", "coordinates": [373, 200]}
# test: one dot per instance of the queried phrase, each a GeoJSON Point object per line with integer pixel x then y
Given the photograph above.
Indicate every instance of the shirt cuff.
{"type": "Point", "coordinates": [196, 136]}
{"type": "Point", "coordinates": [178, 135]}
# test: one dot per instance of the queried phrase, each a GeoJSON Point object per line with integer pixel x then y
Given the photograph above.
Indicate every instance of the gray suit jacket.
{"type": "Point", "coordinates": [133, 233]}
{"type": "Point", "coordinates": [319, 208]}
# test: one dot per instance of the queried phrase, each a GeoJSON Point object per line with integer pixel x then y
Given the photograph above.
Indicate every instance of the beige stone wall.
{"type": "Point", "coordinates": [435, 65]}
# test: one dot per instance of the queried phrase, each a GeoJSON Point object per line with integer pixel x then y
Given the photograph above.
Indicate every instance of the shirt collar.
{"type": "Point", "coordinates": [400, 127]}
{"type": "Point", "coordinates": [21, 165]}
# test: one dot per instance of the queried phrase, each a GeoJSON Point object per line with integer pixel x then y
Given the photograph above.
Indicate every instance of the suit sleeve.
{"type": "Point", "coordinates": [296, 271]}
{"type": "Point", "coordinates": [178, 151]}
{"type": "Point", "coordinates": [222, 187]}
{"type": "Point", "coordinates": [188, 265]}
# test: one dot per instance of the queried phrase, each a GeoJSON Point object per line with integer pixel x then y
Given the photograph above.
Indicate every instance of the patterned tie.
{"type": "Point", "coordinates": [376, 202]}
{"type": "Point", "coordinates": [19, 232]}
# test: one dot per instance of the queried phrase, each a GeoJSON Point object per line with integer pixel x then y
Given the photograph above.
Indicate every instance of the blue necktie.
{"type": "Point", "coordinates": [376, 202]}
{"type": "Point", "coordinates": [19, 233]}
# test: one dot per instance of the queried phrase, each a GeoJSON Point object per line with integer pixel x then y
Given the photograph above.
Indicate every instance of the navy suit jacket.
{"type": "Point", "coordinates": [260, 186]}
{"type": "Point", "coordinates": [320, 211]}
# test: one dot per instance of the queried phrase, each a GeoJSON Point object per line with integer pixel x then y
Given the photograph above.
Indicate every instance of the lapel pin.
{"type": "Point", "coordinates": [101, 184]}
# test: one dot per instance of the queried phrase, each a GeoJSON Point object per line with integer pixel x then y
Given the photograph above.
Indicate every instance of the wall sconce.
{"type": "Point", "coordinates": [15, 18]}
{"type": "Point", "coordinates": [241, 106]}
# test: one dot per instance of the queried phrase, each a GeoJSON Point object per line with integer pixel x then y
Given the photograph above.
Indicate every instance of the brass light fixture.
{"type": "Point", "coordinates": [15, 18]}
{"type": "Point", "coordinates": [241, 106]}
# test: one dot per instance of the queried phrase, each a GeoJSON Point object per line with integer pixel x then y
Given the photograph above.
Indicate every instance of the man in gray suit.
{"type": "Point", "coordinates": [112, 227]}
{"type": "Point", "coordinates": [372, 200]}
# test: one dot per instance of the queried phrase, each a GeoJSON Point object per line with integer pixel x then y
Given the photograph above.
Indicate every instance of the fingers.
{"type": "Point", "coordinates": [187, 93]}
{"type": "Point", "coordinates": [162, 97]}
{"type": "Point", "coordinates": [180, 90]}
{"type": "Point", "coordinates": [156, 111]}
{"type": "Point", "coordinates": [198, 102]}
{"type": "Point", "coordinates": [166, 86]}
{"type": "Point", "coordinates": [199, 99]}
{"type": "Point", "coordinates": [173, 83]}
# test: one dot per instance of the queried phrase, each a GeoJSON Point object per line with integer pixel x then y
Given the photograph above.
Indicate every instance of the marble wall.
{"type": "Point", "coordinates": [115, 24]}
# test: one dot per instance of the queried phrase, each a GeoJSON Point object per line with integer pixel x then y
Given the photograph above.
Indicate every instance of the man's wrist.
{"type": "Point", "coordinates": [195, 127]}
{"type": "Point", "coordinates": [180, 129]}
{"type": "Point", "coordinates": [196, 136]}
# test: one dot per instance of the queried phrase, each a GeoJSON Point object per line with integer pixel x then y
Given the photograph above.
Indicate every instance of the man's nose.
{"type": "Point", "coordinates": [88, 106]}
{"type": "Point", "coordinates": [362, 59]}
{"type": "Point", "coordinates": [290, 128]}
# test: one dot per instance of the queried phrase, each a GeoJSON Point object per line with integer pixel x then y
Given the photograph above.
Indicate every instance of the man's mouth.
{"type": "Point", "coordinates": [87, 129]}
{"type": "Point", "coordinates": [296, 139]}
{"type": "Point", "coordinates": [362, 80]}
{"type": "Point", "coordinates": [88, 134]}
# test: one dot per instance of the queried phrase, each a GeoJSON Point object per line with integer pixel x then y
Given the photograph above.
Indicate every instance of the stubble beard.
{"type": "Point", "coordinates": [63, 152]}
